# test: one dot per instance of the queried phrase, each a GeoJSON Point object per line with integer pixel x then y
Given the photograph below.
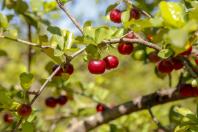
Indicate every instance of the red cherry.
{"type": "Point", "coordinates": [8, 118]}
{"type": "Point", "coordinates": [196, 60]}
{"type": "Point", "coordinates": [51, 102]}
{"type": "Point", "coordinates": [153, 57]}
{"type": "Point", "coordinates": [60, 71]}
{"type": "Point", "coordinates": [115, 15]}
{"type": "Point", "coordinates": [96, 66]}
{"type": "Point", "coordinates": [135, 13]}
{"type": "Point", "coordinates": [68, 68]}
{"type": "Point", "coordinates": [177, 63]}
{"type": "Point", "coordinates": [125, 48]}
{"type": "Point", "coordinates": [149, 37]}
{"type": "Point", "coordinates": [187, 52]}
{"type": "Point", "coordinates": [187, 90]}
{"type": "Point", "coordinates": [61, 100]}
{"type": "Point", "coordinates": [165, 66]}
{"type": "Point", "coordinates": [24, 110]}
{"type": "Point", "coordinates": [111, 61]}
{"type": "Point", "coordinates": [100, 107]}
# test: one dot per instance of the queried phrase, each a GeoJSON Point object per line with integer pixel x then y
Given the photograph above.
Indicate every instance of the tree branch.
{"type": "Point", "coordinates": [74, 21]}
{"type": "Point", "coordinates": [24, 42]}
{"type": "Point", "coordinates": [140, 103]}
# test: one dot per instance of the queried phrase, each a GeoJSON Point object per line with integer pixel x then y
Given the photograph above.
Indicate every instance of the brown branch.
{"type": "Point", "coordinates": [127, 40]}
{"type": "Point", "coordinates": [29, 56]}
{"type": "Point", "coordinates": [140, 103]}
{"type": "Point", "coordinates": [74, 21]}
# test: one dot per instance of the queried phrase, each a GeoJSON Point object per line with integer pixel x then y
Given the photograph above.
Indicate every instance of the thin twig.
{"type": "Point", "coordinates": [29, 56]}
{"type": "Point", "coordinates": [25, 42]}
{"type": "Point", "coordinates": [127, 40]}
{"type": "Point", "coordinates": [189, 68]}
{"type": "Point", "coordinates": [74, 21]}
{"type": "Point", "coordinates": [157, 122]}
{"type": "Point", "coordinates": [170, 80]}
{"type": "Point", "coordinates": [78, 52]}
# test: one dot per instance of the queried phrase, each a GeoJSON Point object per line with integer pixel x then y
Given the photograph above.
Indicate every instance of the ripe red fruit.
{"type": "Point", "coordinates": [165, 66]}
{"type": "Point", "coordinates": [135, 13]}
{"type": "Point", "coordinates": [51, 102]}
{"type": "Point", "coordinates": [125, 48]}
{"type": "Point", "coordinates": [196, 60]}
{"type": "Point", "coordinates": [24, 110]}
{"type": "Point", "coordinates": [96, 66]}
{"type": "Point", "coordinates": [177, 63]}
{"type": "Point", "coordinates": [115, 15]}
{"type": "Point", "coordinates": [68, 68]}
{"type": "Point", "coordinates": [187, 52]}
{"type": "Point", "coordinates": [100, 107]}
{"type": "Point", "coordinates": [60, 71]}
{"type": "Point", "coordinates": [187, 90]}
{"type": "Point", "coordinates": [149, 37]}
{"type": "Point", "coordinates": [61, 100]}
{"type": "Point", "coordinates": [153, 57]}
{"type": "Point", "coordinates": [111, 61]}
{"type": "Point", "coordinates": [8, 118]}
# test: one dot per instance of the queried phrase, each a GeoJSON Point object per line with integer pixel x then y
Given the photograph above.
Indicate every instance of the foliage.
{"type": "Point", "coordinates": [174, 29]}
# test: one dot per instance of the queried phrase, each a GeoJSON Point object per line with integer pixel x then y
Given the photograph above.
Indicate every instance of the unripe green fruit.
{"type": "Point", "coordinates": [139, 55]}
{"type": "Point", "coordinates": [194, 83]}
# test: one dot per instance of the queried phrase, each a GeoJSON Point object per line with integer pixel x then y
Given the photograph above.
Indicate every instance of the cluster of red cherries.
{"type": "Point", "coordinates": [24, 110]}
{"type": "Point", "coordinates": [52, 102]}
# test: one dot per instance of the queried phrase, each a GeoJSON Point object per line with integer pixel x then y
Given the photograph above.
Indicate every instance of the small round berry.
{"type": "Point", "coordinates": [196, 61]}
{"type": "Point", "coordinates": [8, 118]}
{"type": "Point", "coordinates": [68, 68]}
{"type": "Point", "coordinates": [153, 57]}
{"type": "Point", "coordinates": [96, 66]}
{"type": "Point", "coordinates": [24, 110]}
{"type": "Point", "coordinates": [135, 13]}
{"type": "Point", "coordinates": [111, 61]}
{"type": "Point", "coordinates": [51, 102]}
{"type": "Point", "coordinates": [139, 55]}
{"type": "Point", "coordinates": [100, 107]}
{"type": "Point", "coordinates": [187, 90]}
{"type": "Point", "coordinates": [59, 72]}
{"type": "Point", "coordinates": [115, 15]}
{"type": "Point", "coordinates": [149, 37]}
{"type": "Point", "coordinates": [125, 48]}
{"type": "Point", "coordinates": [187, 51]}
{"type": "Point", "coordinates": [177, 63]}
{"type": "Point", "coordinates": [165, 66]}
{"type": "Point", "coordinates": [61, 100]}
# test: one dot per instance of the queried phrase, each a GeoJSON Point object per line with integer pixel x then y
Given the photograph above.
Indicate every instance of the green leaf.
{"type": "Point", "coordinates": [172, 13]}
{"type": "Point", "coordinates": [3, 21]}
{"type": "Point", "coordinates": [57, 42]}
{"type": "Point", "coordinates": [50, 53]}
{"type": "Point", "coordinates": [3, 53]}
{"type": "Point", "coordinates": [49, 6]}
{"type": "Point", "coordinates": [101, 33]}
{"type": "Point", "coordinates": [5, 98]}
{"type": "Point", "coordinates": [21, 6]}
{"type": "Point", "coordinates": [26, 80]}
{"type": "Point", "coordinates": [36, 6]}
{"type": "Point", "coordinates": [11, 33]}
{"type": "Point", "coordinates": [111, 7]}
{"type": "Point", "coordinates": [30, 19]}
{"type": "Point", "coordinates": [125, 16]}
{"type": "Point", "coordinates": [54, 30]}
{"type": "Point", "coordinates": [92, 52]}
{"type": "Point", "coordinates": [27, 127]}
{"type": "Point", "coordinates": [165, 53]}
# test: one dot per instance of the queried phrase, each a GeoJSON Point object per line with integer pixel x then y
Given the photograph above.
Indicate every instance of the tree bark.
{"type": "Point", "coordinates": [137, 104]}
